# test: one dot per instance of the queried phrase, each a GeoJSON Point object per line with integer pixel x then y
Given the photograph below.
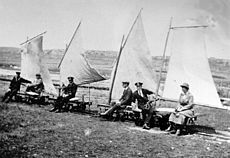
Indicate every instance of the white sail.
{"type": "Point", "coordinates": [189, 63]}
{"type": "Point", "coordinates": [32, 62]}
{"type": "Point", "coordinates": [135, 62]}
{"type": "Point", "coordinates": [74, 64]}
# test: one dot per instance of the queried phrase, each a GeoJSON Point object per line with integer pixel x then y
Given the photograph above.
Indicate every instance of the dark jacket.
{"type": "Point", "coordinates": [126, 98]}
{"type": "Point", "coordinates": [141, 100]}
{"type": "Point", "coordinates": [16, 83]}
{"type": "Point", "coordinates": [71, 89]}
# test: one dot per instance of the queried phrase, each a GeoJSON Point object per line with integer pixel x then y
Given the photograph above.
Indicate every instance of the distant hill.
{"type": "Point", "coordinates": [103, 62]}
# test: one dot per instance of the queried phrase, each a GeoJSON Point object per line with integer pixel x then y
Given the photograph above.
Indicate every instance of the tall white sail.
{"type": "Point", "coordinates": [189, 63]}
{"type": "Point", "coordinates": [32, 63]}
{"type": "Point", "coordinates": [74, 64]}
{"type": "Point", "coordinates": [135, 62]}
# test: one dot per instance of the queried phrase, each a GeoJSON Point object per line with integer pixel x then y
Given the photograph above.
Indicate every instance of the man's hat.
{"type": "Point", "coordinates": [138, 84]}
{"type": "Point", "coordinates": [125, 82]}
{"type": "Point", "coordinates": [186, 85]}
{"type": "Point", "coordinates": [18, 72]}
{"type": "Point", "coordinates": [70, 78]}
{"type": "Point", "coordinates": [38, 74]}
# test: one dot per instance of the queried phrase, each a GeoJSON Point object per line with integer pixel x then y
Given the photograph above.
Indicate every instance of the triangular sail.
{"type": "Point", "coordinates": [32, 63]}
{"type": "Point", "coordinates": [74, 64]}
{"type": "Point", "coordinates": [135, 62]}
{"type": "Point", "coordinates": [189, 63]}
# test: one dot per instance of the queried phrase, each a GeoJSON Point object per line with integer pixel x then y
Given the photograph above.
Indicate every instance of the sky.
{"type": "Point", "coordinates": [105, 21]}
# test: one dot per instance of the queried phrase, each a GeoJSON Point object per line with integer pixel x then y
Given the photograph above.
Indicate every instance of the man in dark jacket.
{"type": "Point", "coordinates": [125, 100]}
{"type": "Point", "coordinates": [140, 96]}
{"type": "Point", "coordinates": [69, 92]}
{"type": "Point", "coordinates": [14, 87]}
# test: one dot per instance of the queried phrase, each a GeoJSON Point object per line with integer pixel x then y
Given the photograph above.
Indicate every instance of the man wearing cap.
{"type": "Point", "coordinates": [69, 92]}
{"type": "Point", "coordinates": [140, 96]}
{"type": "Point", "coordinates": [125, 100]}
{"type": "Point", "coordinates": [14, 87]}
{"type": "Point", "coordinates": [183, 110]}
{"type": "Point", "coordinates": [37, 86]}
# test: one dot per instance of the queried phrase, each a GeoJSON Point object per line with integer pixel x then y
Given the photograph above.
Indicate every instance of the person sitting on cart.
{"type": "Point", "coordinates": [69, 92]}
{"type": "Point", "coordinates": [37, 86]}
{"type": "Point", "coordinates": [184, 110]}
{"type": "Point", "coordinates": [124, 101]}
{"type": "Point", "coordinates": [14, 87]}
{"type": "Point", "coordinates": [140, 96]}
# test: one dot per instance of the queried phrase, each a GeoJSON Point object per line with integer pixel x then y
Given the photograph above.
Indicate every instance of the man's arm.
{"type": "Point", "coordinates": [128, 96]}
{"type": "Point", "coordinates": [11, 83]}
{"type": "Point", "coordinates": [148, 92]}
{"type": "Point", "coordinates": [25, 81]}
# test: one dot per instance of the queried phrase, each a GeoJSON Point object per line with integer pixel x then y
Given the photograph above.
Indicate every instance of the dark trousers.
{"type": "Point", "coordinates": [62, 101]}
{"type": "Point", "coordinates": [9, 95]}
{"type": "Point", "coordinates": [147, 114]}
{"type": "Point", "coordinates": [33, 89]}
{"type": "Point", "coordinates": [115, 107]}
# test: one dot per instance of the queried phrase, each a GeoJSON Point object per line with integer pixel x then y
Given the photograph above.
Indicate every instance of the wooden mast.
{"type": "Point", "coordinates": [115, 71]}
{"type": "Point", "coordinates": [118, 57]}
{"type": "Point", "coordinates": [163, 58]}
{"type": "Point", "coordinates": [69, 44]}
{"type": "Point", "coordinates": [33, 38]}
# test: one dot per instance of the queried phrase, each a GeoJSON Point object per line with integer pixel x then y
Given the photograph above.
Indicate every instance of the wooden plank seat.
{"type": "Point", "coordinates": [77, 104]}
{"type": "Point", "coordinates": [32, 97]}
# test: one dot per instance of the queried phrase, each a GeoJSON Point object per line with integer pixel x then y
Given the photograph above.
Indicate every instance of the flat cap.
{"type": "Point", "coordinates": [138, 84]}
{"type": "Point", "coordinates": [186, 85]}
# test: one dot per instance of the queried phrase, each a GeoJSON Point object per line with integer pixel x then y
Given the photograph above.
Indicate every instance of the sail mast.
{"type": "Point", "coordinates": [118, 58]}
{"type": "Point", "coordinates": [27, 40]}
{"type": "Point", "coordinates": [163, 58]}
{"type": "Point", "coordinates": [69, 44]}
{"type": "Point", "coordinates": [115, 71]}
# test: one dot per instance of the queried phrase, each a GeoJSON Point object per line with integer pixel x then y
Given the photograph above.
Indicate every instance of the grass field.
{"type": "Point", "coordinates": [32, 131]}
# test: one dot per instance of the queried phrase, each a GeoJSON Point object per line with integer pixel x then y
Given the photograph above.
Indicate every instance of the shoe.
{"type": "Point", "coordinates": [172, 131]}
{"type": "Point", "coordinates": [169, 129]}
{"type": "Point", "coordinates": [146, 127]}
{"type": "Point", "coordinates": [52, 110]}
{"type": "Point", "coordinates": [178, 132]}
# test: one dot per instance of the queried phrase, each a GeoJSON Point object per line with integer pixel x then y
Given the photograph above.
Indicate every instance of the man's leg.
{"type": "Point", "coordinates": [6, 95]}
{"type": "Point", "coordinates": [110, 110]}
{"type": "Point", "coordinates": [148, 118]}
{"type": "Point", "coordinates": [13, 93]}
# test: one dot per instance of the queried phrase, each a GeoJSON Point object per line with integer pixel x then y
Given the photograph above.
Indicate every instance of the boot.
{"type": "Point", "coordinates": [146, 127]}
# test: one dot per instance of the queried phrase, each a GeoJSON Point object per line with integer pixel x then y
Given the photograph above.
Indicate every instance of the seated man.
{"type": "Point", "coordinates": [69, 92]}
{"type": "Point", "coordinates": [183, 110]}
{"type": "Point", "coordinates": [14, 87]}
{"type": "Point", "coordinates": [37, 86]}
{"type": "Point", "coordinates": [125, 100]}
{"type": "Point", "coordinates": [140, 96]}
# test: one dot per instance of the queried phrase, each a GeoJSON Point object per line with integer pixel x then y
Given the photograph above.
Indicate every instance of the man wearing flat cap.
{"type": "Point", "coordinates": [69, 92]}
{"type": "Point", "coordinates": [14, 87]}
{"type": "Point", "coordinates": [140, 96]}
{"type": "Point", "coordinates": [37, 86]}
{"type": "Point", "coordinates": [125, 100]}
{"type": "Point", "coordinates": [184, 110]}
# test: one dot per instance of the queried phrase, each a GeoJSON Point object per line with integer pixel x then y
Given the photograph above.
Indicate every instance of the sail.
{"type": "Point", "coordinates": [74, 64]}
{"type": "Point", "coordinates": [135, 62]}
{"type": "Point", "coordinates": [32, 63]}
{"type": "Point", "coordinates": [189, 63]}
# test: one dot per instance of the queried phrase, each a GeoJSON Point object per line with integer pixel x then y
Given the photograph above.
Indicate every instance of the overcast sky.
{"type": "Point", "coordinates": [105, 21]}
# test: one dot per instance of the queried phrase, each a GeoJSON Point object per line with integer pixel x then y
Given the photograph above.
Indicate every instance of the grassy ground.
{"type": "Point", "coordinates": [32, 131]}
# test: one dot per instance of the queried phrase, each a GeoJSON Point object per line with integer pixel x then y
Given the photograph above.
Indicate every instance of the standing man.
{"type": "Point", "coordinates": [69, 92]}
{"type": "Point", "coordinates": [125, 100]}
{"type": "Point", "coordinates": [14, 87]}
{"type": "Point", "coordinates": [37, 86]}
{"type": "Point", "coordinates": [140, 96]}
